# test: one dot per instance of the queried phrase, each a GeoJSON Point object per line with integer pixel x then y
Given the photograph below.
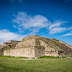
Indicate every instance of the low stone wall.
{"type": "Point", "coordinates": [20, 52]}
{"type": "Point", "coordinates": [39, 51]}
{"type": "Point", "coordinates": [28, 43]}
{"type": "Point", "coordinates": [65, 44]}
{"type": "Point", "coordinates": [25, 52]}
{"type": "Point", "coordinates": [48, 50]}
{"type": "Point", "coordinates": [1, 52]}
{"type": "Point", "coordinates": [51, 53]}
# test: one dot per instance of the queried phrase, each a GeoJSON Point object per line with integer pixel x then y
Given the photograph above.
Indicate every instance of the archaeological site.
{"type": "Point", "coordinates": [35, 46]}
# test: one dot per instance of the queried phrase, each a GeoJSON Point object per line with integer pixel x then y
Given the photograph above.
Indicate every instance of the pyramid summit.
{"type": "Point", "coordinates": [35, 46]}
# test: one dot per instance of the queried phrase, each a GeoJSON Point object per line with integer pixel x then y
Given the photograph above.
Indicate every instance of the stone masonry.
{"type": "Point", "coordinates": [30, 46]}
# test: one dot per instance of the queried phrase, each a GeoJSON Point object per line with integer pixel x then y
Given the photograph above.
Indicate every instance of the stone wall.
{"type": "Point", "coordinates": [12, 41]}
{"type": "Point", "coordinates": [25, 52]}
{"type": "Point", "coordinates": [28, 48]}
{"type": "Point", "coordinates": [48, 50]}
{"type": "Point", "coordinates": [28, 43]}
{"type": "Point", "coordinates": [39, 51]}
{"type": "Point", "coordinates": [20, 52]}
{"type": "Point", "coordinates": [65, 44]}
{"type": "Point", "coordinates": [1, 52]}
{"type": "Point", "coordinates": [5, 44]}
{"type": "Point", "coordinates": [51, 53]}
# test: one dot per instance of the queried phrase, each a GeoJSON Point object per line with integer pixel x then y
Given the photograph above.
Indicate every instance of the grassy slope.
{"type": "Point", "coordinates": [56, 45]}
{"type": "Point", "coordinates": [66, 49]}
{"type": "Point", "coordinates": [43, 65]}
{"type": "Point", "coordinates": [52, 43]}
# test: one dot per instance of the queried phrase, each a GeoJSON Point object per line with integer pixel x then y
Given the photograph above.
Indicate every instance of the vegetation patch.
{"type": "Point", "coordinates": [38, 65]}
{"type": "Point", "coordinates": [50, 57]}
{"type": "Point", "coordinates": [12, 57]}
{"type": "Point", "coordinates": [46, 57]}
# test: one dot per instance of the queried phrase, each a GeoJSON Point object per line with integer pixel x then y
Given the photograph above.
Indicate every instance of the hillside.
{"type": "Point", "coordinates": [53, 43]}
{"type": "Point", "coordinates": [49, 47]}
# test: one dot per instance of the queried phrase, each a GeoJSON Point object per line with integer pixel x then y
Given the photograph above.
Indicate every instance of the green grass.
{"type": "Point", "coordinates": [51, 57]}
{"type": "Point", "coordinates": [47, 57]}
{"type": "Point", "coordinates": [8, 64]}
{"type": "Point", "coordinates": [12, 57]}
{"type": "Point", "coordinates": [50, 43]}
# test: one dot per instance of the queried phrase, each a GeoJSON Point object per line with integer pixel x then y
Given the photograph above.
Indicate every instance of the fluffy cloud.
{"type": "Point", "coordinates": [55, 24]}
{"type": "Point", "coordinates": [56, 27]}
{"type": "Point", "coordinates": [68, 34]}
{"type": "Point", "coordinates": [57, 30]}
{"type": "Point", "coordinates": [6, 35]}
{"type": "Point", "coordinates": [31, 23]}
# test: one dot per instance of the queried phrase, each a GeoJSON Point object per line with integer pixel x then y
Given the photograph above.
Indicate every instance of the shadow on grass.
{"type": "Point", "coordinates": [50, 57]}
{"type": "Point", "coordinates": [12, 57]}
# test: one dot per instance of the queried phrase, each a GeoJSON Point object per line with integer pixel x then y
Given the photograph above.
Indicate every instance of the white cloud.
{"type": "Point", "coordinates": [56, 27]}
{"type": "Point", "coordinates": [6, 35]}
{"type": "Point", "coordinates": [56, 24]}
{"type": "Point", "coordinates": [57, 30]}
{"type": "Point", "coordinates": [69, 28]}
{"type": "Point", "coordinates": [68, 34]}
{"type": "Point", "coordinates": [34, 32]}
{"type": "Point", "coordinates": [31, 23]}
{"type": "Point", "coordinates": [14, 26]}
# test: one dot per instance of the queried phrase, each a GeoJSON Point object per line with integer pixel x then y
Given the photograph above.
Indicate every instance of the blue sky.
{"type": "Point", "coordinates": [47, 18]}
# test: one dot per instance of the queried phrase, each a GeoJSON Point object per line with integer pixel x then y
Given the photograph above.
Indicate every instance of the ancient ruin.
{"type": "Point", "coordinates": [35, 46]}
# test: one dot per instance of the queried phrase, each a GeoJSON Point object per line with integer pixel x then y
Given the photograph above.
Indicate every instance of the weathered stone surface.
{"type": "Point", "coordinates": [25, 52]}
{"type": "Point", "coordinates": [65, 44]}
{"type": "Point", "coordinates": [28, 43]}
{"type": "Point", "coordinates": [1, 52]}
{"type": "Point", "coordinates": [28, 48]}
{"type": "Point", "coordinates": [39, 51]}
{"type": "Point", "coordinates": [49, 51]}
{"type": "Point", "coordinates": [34, 47]}
{"type": "Point", "coordinates": [20, 52]}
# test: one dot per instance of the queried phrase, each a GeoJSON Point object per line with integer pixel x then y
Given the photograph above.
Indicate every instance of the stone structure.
{"type": "Point", "coordinates": [49, 51]}
{"type": "Point", "coordinates": [65, 44]}
{"type": "Point", "coordinates": [32, 47]}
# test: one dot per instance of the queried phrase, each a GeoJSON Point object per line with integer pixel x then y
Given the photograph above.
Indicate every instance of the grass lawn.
{"type": "Point", "coordinates": [13, 64]}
